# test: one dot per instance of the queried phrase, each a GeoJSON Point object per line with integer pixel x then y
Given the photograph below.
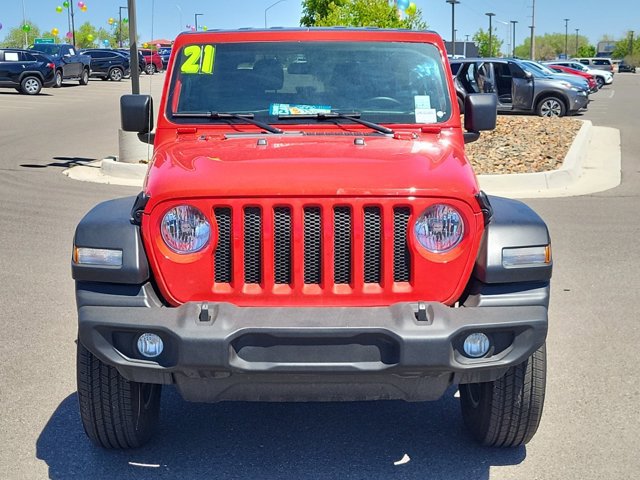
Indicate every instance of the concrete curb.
{"type": "Point", "coordinates": [592, 164]}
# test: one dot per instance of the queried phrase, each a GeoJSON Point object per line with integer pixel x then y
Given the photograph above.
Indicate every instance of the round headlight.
{"type": "Point", "coordinates": [185, 229]}
{"type": "Point", "coordinates": [439, 228]}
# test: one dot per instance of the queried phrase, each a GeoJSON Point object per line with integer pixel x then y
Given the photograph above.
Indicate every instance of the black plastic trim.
{"type": "Point", "coordinates": [108, 226]}
{"type": "Point", "coordinates": [513, 224]}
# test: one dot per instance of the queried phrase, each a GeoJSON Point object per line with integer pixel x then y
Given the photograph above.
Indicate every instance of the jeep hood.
{"type": "Point", "coordinates": [299, 165]}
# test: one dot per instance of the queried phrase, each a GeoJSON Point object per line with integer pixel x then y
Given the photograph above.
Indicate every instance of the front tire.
{"type": "Point", "coordinates": [551, 107]}
{"type": "Point", "coordinates": [507, 411]}
{"type": "Point", "coordinates": [58, 79]}
{"type": "Point", "coordinates": [150, 69]}
{"type": "Point", "coordinates": [115, 412]}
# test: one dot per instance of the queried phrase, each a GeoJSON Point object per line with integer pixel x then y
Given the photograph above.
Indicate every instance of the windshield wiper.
{"type": "Point", "coordinates": [247, 117]}
{"type": "Point", "coordinates": [353, 116]}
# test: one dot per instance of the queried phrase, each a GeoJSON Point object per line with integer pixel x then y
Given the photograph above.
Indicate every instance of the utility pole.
{"type": "Point", "coordinates": [566, 38]}
{"type": "Point", "coordinates": [133, 47]}
{"type": "Point", "coordinates": [631, 42]}
{"type": "Point", "coordinates": [453, 25]}
{"type": "Point", "coordinates": [577, 30]}
{"type": "Point", "coordinates": [532, 52]}
{"type": "Point", "coordinates": [490, 15]}
{"type": "Point", "coordinates": [73, 27]}
{"type": "Point", "coordinates": [513, 35]}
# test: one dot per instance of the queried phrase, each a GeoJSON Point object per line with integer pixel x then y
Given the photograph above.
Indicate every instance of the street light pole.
{"type": "Point", "coordinates": [566, 38]}
{"type": "Point", "coordinates": [268, 8]}
{"type": "Point", "coordinates": [490, 15]}
{"type": "Point", "coordinates": [532, 52]}
{"type": "Point", "coordinates": [577, 30]}
{"type": "Point", "coordinates": [513, 23]}
{"type": "Point", "coordinates": [120, 25]}
{"type": "Point", "coordinates": [453, 25]}
{"type": "Point", "coordinates": [196, 19]}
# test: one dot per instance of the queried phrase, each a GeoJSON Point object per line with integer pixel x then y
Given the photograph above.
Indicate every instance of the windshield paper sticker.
{"type": "Point", "coordinates": [294, 109]}
{"type": "Point", "coordinates": [424, 112]}
{"type": "Point", "coordinates": [198, 59]}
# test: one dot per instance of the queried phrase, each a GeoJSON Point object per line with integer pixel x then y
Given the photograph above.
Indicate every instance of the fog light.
{"type": "Point", "coordinates": [150, 345]}
{"type": "Point", "coordinates": [476, 345]}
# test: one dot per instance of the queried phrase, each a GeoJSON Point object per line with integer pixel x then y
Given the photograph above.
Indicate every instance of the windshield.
{"type": "Point", "coordinates": [542, 68]}
{"type": "Point", "coordinates": [275, 81]}
{"type": "Point", "coordinates": [46, 48]}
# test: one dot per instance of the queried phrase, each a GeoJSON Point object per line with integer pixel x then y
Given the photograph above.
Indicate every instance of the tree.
{"type": "Point", "coordinates": [551, 45]}
{"type": "Point", "coordinates": [586, 51]}
{"type": "Point", "coordinates": [313, 10]}
{"type": "Point", "coordinates": [481, 37]}
{"type": "Point", "coordinates": [361, 13]}
{"type": "Point", "coordinates": [16, 37]}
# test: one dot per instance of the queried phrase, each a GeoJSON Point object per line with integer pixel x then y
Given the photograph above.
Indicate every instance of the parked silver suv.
{"type": "Point", "coordinates": [597, 63]}
{"type": "Point", "coordinates": [518, 87]}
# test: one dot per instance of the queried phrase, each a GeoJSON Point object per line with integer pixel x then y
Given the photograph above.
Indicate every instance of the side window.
{"type": "Point", "coordinates": [584, 61]}
{"type": "Point", "coordinates": [516, 71]}
{"type": "Point", "coordinates": [11, 57]}
{"type": "Point", "coordinates": [27, 57]}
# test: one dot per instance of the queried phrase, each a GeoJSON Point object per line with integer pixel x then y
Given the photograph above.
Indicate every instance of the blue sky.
{"type": "Point", "coordinates": [165, 18]}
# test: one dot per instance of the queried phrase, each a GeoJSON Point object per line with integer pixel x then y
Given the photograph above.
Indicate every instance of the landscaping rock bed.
{"type": "Point", "coordinates": [523, 144]}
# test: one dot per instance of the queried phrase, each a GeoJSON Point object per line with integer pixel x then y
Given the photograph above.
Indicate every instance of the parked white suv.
{"type": "Point", "coordinates": [602, 76]}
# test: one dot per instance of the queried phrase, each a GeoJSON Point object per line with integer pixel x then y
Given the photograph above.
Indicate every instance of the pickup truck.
{"type": "Point", "coordinates": [310, 229]}
{"type": "Point", "coordinates": [70, 65]}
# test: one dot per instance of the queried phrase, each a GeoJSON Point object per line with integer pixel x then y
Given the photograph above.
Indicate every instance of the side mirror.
{"type": "Point", "coordinates": [528, 75]}
{"type": "Point", "coordinates": [136, 113]}
{"type": "Point", "coordinates": [480, 114]}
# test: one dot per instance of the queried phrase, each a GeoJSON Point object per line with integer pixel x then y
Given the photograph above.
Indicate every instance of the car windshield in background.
{"type": "Point", "coordinates": [47, 48]}
{"type": "Point", "coordinates": [277, 81]}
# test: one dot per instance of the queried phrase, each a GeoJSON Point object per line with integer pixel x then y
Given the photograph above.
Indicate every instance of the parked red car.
{"type": "Point", "coordinates": [154, 61]}
{"type": "Point", "coordinates": [593, 85]}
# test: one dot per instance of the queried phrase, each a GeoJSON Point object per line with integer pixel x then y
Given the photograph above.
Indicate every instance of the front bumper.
{"type": "Point", "coordinates": [578, 101]}
{"type": "Point", "coordinates": [286, 353]}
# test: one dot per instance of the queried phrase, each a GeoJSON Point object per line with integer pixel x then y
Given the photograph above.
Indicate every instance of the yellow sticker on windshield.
{"type": "Point", "coordinates": [198, 59]}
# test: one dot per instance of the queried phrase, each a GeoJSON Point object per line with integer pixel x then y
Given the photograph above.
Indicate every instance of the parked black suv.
{"type": "Point", "coordinates": [108, 64]}
{"type": "Point", "coordinates": [142, 63]}
{"type": "Point", "coordinates": [626, 67]}
{"type": "Point", "coordinates": [27, 72]}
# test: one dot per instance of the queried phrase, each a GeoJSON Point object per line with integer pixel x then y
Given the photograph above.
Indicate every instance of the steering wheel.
{"type": "Point", "coordinates": [382, 100]}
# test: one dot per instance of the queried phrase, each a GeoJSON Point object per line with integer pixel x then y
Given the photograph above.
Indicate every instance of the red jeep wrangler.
{"type": "Point", "coordinates": [311, 230]}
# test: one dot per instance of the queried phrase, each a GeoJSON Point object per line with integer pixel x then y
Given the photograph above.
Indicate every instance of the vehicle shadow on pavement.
{"type": "Point", "coordinates": [281, 440]}
{"type": "Point", "coordinates": [63, 162]}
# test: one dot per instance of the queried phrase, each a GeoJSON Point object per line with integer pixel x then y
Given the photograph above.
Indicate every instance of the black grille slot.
{"type": "Point", "coordinates": [372, 245]}
{"type": "Point", "coordinates": [312, 245]}
{"type": "Point", "coordinates": [282, 245]}
{"type": "Point", "coordinates": [342, 245]}
{"type": "Point", "coordinates": [401, 257]}
{"type": "Point", "coordinates": [224, 254]}
{"type": "Point", "coordinates": [252, 245]}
